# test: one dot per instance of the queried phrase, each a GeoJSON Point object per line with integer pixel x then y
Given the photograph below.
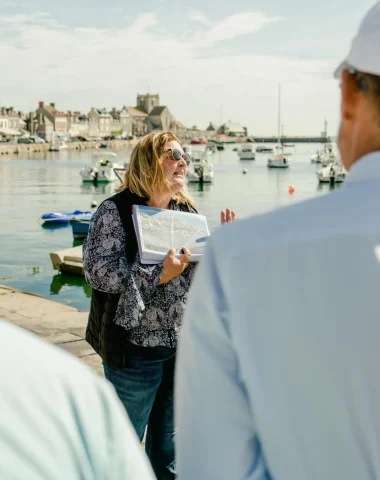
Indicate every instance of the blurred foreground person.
{"type": "Point", "coordinates": [59, 420]}
{"type": "Point", "coordinates": [278, 368]}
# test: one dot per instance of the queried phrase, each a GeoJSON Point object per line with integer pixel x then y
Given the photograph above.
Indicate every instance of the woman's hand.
{"type": "Point", "coordinates": [174, 266]}
{"type": "Point", "coordinates": [227, 216]}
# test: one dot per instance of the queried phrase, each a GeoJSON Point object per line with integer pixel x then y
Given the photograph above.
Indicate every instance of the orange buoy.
{"type": "Point", "coordinates": [291, 189]}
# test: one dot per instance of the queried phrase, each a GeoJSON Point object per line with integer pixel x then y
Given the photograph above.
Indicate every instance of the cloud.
{"type": "Point", "coordinates": [83, 67]}
{"type": "Point", "coordinates": [239, 24]}
{"type": "Point", "coordinates": [201, 18]}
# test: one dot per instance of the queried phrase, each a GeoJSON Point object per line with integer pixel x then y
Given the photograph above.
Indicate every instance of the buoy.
{"type": "Point", "coordinates": [94, 204]}
{"type": "Point", "coordinates": [245, 171]}
{"type": "Point", "coordinates": [291, 189]}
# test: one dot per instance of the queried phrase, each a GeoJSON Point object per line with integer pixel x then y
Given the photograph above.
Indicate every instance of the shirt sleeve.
{"type": "Point", "coordinates": [216, 434]}
{"type": "Point", "coordinates": [105, 263]}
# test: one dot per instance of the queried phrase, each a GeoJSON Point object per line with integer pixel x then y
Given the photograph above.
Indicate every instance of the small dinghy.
{"type": "Point", "coordinates": [63, 218]}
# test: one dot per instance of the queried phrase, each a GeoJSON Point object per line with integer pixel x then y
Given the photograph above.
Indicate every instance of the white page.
{"type": "Point", "coordinates": [159, 230]}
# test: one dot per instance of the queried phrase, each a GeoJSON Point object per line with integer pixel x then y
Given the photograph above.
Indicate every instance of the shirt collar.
{"type": "Point", "coordinates": [366, 168]}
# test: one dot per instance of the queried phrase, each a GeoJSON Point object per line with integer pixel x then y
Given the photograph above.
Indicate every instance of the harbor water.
{"type": "Point", "coordinates": [50, 182]}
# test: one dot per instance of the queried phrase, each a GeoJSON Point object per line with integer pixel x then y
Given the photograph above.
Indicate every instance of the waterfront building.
{"type": "Point", "coordinates": [49, 121]}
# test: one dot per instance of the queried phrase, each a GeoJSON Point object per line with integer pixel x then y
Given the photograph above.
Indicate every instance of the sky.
{"type": "Point", "coordinates": [209, 61]}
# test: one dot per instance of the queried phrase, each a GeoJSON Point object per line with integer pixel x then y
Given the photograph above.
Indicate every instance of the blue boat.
{"type": "Point", "coordinates": [80, 229]}
{"type": "Point", "coordinates": [64, 218]}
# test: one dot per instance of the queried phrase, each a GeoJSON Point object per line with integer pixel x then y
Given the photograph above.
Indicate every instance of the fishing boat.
{"type": "Point", "coordinates": [102, 168]}
{"type": "Point", "coordinates": [64, 218]}
{"type": "Point", "coordinates": [264, 149]}
{"type": "Point", "coordinates": [246, 151]}
{"type": "Point", "coordinates": [80, 228]}
{"type": "Point", "coordinates": [280, 159]}
{"type": "Point", "coordinates": [333, 173]}
{"type": "Point", "coordinates": [325, 156]}
{"type": "Point", "coordinates": [200, 170]}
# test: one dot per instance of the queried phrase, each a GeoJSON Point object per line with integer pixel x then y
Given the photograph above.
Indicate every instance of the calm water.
{"type": "Point", "coordinates": [41, 183]}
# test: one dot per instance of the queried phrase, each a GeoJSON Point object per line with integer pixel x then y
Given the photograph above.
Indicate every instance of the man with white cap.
{"type": "Point", "coordinates": [279, 363]}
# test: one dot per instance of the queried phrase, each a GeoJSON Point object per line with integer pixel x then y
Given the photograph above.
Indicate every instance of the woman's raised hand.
{"type": "Point", "coordinates": [227, 216]}
{"type": "Point", "coordinates": [174, 266]}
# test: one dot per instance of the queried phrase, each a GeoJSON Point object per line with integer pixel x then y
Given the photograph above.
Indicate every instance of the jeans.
{"type": "Point", "coordinates": [145, 387]}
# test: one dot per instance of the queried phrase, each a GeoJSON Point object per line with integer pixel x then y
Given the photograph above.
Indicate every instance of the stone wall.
{"type": "Point", "coordinates": [20, 148]}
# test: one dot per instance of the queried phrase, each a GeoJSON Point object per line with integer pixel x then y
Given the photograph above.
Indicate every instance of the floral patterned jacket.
{"type": "Point", "coordinates": [151, 313]}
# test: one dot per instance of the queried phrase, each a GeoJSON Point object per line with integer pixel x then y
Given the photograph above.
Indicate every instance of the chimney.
{"type": "Point", "coordinates": [41, 104]}
{"type": "Point", "coordinates": [52, 105]}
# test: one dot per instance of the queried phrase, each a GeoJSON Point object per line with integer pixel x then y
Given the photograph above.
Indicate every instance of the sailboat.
{"type": "Point", "coordinates": [280, 159]}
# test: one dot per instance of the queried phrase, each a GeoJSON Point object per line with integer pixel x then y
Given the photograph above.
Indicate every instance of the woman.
{"type": "Point", "coordinates": [136, 309]}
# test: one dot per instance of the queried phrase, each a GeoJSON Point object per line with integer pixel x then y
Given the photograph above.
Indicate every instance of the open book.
{"type": "Point", "coordinates": [158, 231]}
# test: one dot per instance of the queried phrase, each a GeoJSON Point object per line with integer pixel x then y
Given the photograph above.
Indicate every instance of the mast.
{"type": "Point", "coordinates": [279, 113]}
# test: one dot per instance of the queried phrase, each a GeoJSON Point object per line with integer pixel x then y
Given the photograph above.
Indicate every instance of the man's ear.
{"type": "Point", "coordinates": [350, 97]}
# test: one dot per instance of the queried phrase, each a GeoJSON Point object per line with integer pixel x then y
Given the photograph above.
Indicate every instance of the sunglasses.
{"type": "Point", "coordinates": [177, 155]}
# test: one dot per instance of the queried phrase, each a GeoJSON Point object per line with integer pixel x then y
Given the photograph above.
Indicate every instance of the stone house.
{"type": "Point", "coordinates": [77, 124]}
{"type": "Point", "coordinates": [122, 122]}
{"type": "Point", "coordinates": [233, 130]}
{"type": "Point", "coordinates": [139, 121]}
{"type": "Point", "coordinates": [160, 118]}
{"type": "Point", "coordinates": [100, 122]}
{"type": "Point", "coordinates": [49, 121]}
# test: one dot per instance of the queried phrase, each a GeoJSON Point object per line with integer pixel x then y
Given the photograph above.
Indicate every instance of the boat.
{"type": "Point", "coordinates": [200, 170]}
{"type": "Point", "coordinates": [64, 218]}
{"type": "Point", "coordinates": [80, 228]}
{"type": "Point", "coordinates": [264, 149]}
{"type": "Point", "coordinates": [104, 145]}
{"type": "Point", "coordinates": [198, 141]}
{"type": "Point", "coordinates": [220, 147]}
{"type": "Point", "coordinates": [210, 148]}
{"type": "Point", "coordinates": [102, 168]}
{"type": "Point", "coordinates": [280, 159]}
{"type": "Point", "coordinates": [333, 173]}
{"type": "Point", "coordinates": [325, 156]}
{"type": "Point", "coordinates": [58, 145]}
{"type": "Point", "coordinates": [289, 145]}
{"type": "Point", "coordinates": [246, 152]}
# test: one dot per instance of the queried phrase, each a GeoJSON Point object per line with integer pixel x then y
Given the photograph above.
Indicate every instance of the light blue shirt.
{"type": "Point", "coordinates": [278, 373]}
{"type": "Point", "coordinates": [58, 420]}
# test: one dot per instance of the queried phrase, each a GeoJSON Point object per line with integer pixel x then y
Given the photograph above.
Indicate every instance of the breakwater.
{"type": "Point", "coordinates": [22, 148]}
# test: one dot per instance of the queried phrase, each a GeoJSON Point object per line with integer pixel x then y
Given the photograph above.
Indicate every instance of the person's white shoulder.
{"type": "Point", "coordinates": [61, 416]}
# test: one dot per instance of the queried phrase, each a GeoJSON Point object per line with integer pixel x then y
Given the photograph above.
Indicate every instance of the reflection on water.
{"type": "Point", "coordinates": [328, 187]}
{"type": "Point", "coordinates": [39, 183]}
{"type": "Point", "coordinates": [107, 189]}
{"type": "Point", "coordinates": [62, 282]}
{"type": "Point", "coordinates": [200, 187]}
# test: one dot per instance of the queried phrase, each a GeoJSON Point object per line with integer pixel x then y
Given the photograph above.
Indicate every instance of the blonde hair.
{"type": "Point", "coordinates": [145, 172]}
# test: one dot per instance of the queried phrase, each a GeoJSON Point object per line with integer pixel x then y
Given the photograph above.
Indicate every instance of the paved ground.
{"type": "Point", "coordinates": [56, 323]}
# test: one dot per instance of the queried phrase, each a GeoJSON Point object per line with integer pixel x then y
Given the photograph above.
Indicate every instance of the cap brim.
{"type": "Point", "coordinates": [343, 66]}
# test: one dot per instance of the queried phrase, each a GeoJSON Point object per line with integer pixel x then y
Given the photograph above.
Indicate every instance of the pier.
{"type": "Point", "coordinates": [27, 148]}
{"type": "Point", "coordinates": [273, 139]}
{"type": "Point", "coordinates": [54, 322]}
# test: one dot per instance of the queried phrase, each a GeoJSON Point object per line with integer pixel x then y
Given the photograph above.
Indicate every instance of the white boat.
{"type": "Point", "coordinates": [211, 148]}
{"type": "Point", "coordinates": [280, 159]}
{"type": "Point", "coordinates": [102, 168]}
{"type": "Point", "coordinates": [246, 151]}
{"type": "Point", "coordinates": [264, 149]}
{"type": "Point", "coordinates": [58, 145]}
{"type": "Point", "coordinates": [333, 173]}
{"type": "Point", "coordinates": [200, 170]}
{"type": "Point", "coordinates": [325, 156]}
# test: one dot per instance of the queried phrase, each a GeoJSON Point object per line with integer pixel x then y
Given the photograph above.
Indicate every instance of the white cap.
{"type": "Point", "coordinates": [364, 54]}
